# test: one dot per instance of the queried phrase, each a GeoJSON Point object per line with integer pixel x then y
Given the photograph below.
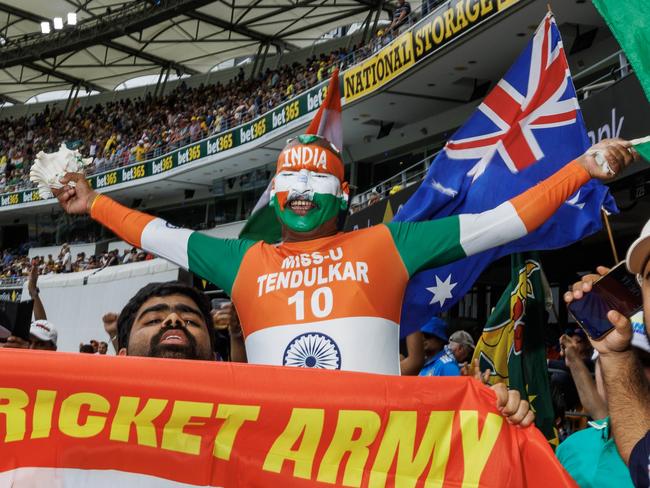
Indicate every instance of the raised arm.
{"type": "Point", "coordinates": [34, 293]}
{"type": "Point", "coordinates": [216, 260]}
{"type": "Point", "coordinates": [438, 242]}
{"type": "Point", "coordinates": [590, 399]}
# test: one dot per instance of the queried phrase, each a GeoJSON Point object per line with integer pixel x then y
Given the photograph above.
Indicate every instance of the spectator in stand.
{"type": "Point", "coordinates": [626, 385]}
{"type": "Point", "coordinates": [139, 151]}
{"type": "Point", "coordinates": [42, 333]}
{"type": "Point", "coordinates": [374, 198]}
{"type": "Point", "coordinates": [102, 348]}
{"type": "Point", "coordinates": [461, 345]}
{"type": "Point", "coordinates": [92, 263]}
{"type": "Point", "coordinates": [435, 341]}
{"type": "Point", "coordinates": [401, 16]}
{"type": "Point", "coordinates": [445, 362]}
{"type": "Point", "coordinates": [65, 258]}
{"type": "Point", "coordinates": [129, 255]}
{"type": "Point", "coordinates": [80, 262]}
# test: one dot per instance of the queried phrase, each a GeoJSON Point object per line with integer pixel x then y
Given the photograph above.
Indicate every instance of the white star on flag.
{"type": "Point", "coordinates": [441, 291]}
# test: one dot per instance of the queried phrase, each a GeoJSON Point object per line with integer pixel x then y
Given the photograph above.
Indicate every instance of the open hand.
{"type": "Point", "coordinates": [78, 198]}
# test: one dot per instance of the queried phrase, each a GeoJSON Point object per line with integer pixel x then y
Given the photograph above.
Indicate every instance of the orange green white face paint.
{"type": "Point", "coordinates": [304, 200]}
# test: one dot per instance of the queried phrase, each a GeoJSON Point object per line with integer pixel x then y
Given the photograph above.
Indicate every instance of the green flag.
{"type": "Point", "coordinates": [630, 23]}
{"type": "Point", "coordinates": [262, 225]}
{"type": "Point", "coordinates": [512, 342]}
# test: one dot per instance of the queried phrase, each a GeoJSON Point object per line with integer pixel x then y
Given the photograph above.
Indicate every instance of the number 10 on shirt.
{"type": "Point", "coordinates": [320, 296]}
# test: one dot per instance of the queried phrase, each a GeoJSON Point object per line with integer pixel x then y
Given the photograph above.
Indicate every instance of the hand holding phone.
{"type": "Point", "coordinates": [616, 290]}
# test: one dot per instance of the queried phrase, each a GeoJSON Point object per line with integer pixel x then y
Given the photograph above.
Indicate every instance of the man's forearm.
{"type": "Point", "coordinates": [441, 241]}
{"type": "Point", "coordinates": [628, 397]}
{"type": "Point", "coordinates": [586, 386]}
{"type": "Point", "coordinates": [412, 364]}
{"type": "Point", "coordinates": [39, 309]}
{"type": "Point", "coordinates": [211, 258]}
{"type": "Point", "coordinates": [142, 230]}
{"type": "Point", "coordinates": [237, 349]}
{"type": "Point", "coordinates": [522, 214]}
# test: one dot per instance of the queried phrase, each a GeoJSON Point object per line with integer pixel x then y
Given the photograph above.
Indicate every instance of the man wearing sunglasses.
{"type": "Point", "coordinates": [324, 298]}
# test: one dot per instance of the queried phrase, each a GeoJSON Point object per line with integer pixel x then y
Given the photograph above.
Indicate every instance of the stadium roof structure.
{"type": "Point", "coordinates": [116, 40]}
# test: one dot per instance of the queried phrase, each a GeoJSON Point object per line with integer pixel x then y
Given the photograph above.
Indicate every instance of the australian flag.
{"type": "Point", "coordinates": [526, 129]}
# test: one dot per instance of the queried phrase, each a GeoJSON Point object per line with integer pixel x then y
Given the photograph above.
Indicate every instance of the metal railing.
{"type": "Point", "coordinates": [405, 178]}
{"type": "Point", "coordinates": [619, 68]}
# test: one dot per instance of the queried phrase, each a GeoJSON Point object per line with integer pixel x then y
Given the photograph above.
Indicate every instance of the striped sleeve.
{"type": "Point", "coordinates": [216, 260]}
{"type": "Point", "coordinates": [437, 242]}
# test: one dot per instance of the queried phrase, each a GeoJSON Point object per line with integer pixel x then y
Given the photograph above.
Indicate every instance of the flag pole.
{"type": "Point", "coordinates": [610, 235]}
{"type": "Point", "coordinates": [550, 10]}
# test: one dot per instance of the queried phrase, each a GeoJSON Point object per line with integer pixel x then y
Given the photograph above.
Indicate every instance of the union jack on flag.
{"type": "Point", "coordinates": [526, 129]}
{"type": "Point", "coordinates": [531, 96]}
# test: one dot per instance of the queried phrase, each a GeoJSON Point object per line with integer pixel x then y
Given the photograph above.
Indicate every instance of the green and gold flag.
{"type": "Point", "coordinates": [512, 342]}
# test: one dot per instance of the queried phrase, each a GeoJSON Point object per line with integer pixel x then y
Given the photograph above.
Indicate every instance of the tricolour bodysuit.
{"type": "Point", "coordinates": [335, 302]}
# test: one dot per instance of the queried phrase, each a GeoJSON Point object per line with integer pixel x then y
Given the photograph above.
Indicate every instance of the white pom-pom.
{"type": "Point", "coordinates": [49, 168]}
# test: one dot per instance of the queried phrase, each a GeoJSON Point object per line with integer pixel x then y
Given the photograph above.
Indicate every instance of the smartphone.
{"type": "Point", "coordinates": [617, 290]}
{"type": "Point", "coordinates": [15, 318]}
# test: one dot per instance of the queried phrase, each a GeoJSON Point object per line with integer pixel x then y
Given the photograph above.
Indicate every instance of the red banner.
{"type": "Point", "coordinates": [83, 420]}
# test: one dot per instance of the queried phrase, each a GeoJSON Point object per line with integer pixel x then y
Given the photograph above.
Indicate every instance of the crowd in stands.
{"type": "Point", "coordinates": [130, 130]}
{"type": "Point", "coordinates": [19, 266]}
{"type": "Point", "coordinates": [126, 131]}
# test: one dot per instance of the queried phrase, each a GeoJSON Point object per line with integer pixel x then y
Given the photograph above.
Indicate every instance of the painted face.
{"type": "Point", "coordinates": [304, 200]}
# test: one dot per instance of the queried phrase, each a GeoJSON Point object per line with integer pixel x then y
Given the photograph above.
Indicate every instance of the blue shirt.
{"type": "Point", "coordinates": [591, 458]}
{"type": "Point", "coordinates": [442, 364]}
{"type": "Point", "coordinates": [640, 463]}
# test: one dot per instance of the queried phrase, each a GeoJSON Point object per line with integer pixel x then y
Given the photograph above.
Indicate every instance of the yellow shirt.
{"type": "Point", "coordinates": [139, 151]}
